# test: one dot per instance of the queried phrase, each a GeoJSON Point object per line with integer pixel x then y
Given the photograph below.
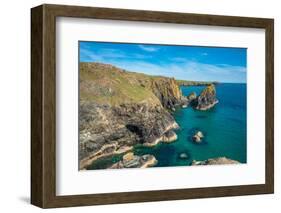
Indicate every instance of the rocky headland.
{"type": "Point", "coordinates": [195, 83]}
{"type": "Point", "coordinates": [120, 109]}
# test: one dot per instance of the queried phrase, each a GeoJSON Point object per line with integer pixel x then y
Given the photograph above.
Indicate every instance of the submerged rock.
{"type": "Point", "coordinates": [130, 160]}
{"type": "Point", "coordinates": [183, 156]}
{"type": "Point", "coordinates": [215, 161]}
{"type": "Point", "coordinates": [207, 99]}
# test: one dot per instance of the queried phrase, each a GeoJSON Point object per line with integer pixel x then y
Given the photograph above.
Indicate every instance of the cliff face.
{"type": "Point", "coordinates": [119, 109]}
{"type": "Point", "coordinates": [167, 91]}
{"type": "Point", "coordinates": [207, 99]}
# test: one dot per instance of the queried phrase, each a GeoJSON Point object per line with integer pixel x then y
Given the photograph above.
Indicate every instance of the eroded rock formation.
{"type": "Point", "coordinates": [207, 99]}
{"type": "Point", "coordinates": [119, 109]}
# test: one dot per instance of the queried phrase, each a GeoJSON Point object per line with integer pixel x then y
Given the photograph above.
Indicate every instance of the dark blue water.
{"type": "Point", "coordinates": [224, 128]}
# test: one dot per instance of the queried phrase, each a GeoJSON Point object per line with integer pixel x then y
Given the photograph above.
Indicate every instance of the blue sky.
{"type": "Point", "coordinates": [196, 63]}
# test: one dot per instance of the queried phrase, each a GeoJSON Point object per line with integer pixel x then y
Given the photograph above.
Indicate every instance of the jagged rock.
{"type": "Point", "coordinates": [109, 130]}
{"type": "Point", "coordinates": [120, 109]}
{"type": "Point", "coordinates": [215, 161]}
{"type": "Point", "coordinates": [197, 137]}
{"type": "Point", "coordinates": [207, 99]}
{"type": "Point", "coordinates": [133, 161]}
{"type": "Point", "coordinates": [169, 136]}
{"type": "Point", "coordinates": [192, 96]}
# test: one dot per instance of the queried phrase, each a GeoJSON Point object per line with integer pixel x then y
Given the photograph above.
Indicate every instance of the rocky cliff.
{"type": "Point", "coordinates": [166, 90]}
{"type": "Point", "coordinates": [119, 109]}
{"type": "Point", "coordinates": [207, 99]}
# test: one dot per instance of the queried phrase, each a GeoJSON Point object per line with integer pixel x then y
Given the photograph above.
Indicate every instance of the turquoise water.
{"type": "Point", "coordinates": [224, 129]}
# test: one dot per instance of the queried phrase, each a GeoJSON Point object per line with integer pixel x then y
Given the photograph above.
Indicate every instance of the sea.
{"type": "Point", "coordinates": [224, 128]}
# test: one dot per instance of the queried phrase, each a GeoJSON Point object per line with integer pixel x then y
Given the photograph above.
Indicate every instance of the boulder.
{"type": "Point", "coordinates": [197, 137]}
{"type": "Point", "coordinates": [192, 96]}
{"type": "Point", "coordinates": [169, 136]}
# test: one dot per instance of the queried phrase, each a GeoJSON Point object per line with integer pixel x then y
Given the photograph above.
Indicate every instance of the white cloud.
{"type": "Point", "coordinates": [178, 67]}
{"type": "Point", "coordinates": [187, 70]}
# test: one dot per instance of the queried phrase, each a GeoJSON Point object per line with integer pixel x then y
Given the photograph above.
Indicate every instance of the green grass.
{"type": "Point", "coordinates": [106, 84]}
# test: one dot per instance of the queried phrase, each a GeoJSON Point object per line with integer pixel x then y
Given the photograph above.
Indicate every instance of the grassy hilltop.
{"type": "Point", "coordinates": [107, 84]}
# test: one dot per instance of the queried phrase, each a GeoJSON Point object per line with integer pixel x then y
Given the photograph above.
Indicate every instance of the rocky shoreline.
{"type": "Point", "coordinates": [113, 123]}
{"type": "Point", "coordinates": [121, 109]}
{"type": "Point", "coordinates": [130, 160]}
{"type": "Point", "coordinates": [215, 161]}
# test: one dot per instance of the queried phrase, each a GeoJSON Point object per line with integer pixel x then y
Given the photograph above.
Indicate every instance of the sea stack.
{"type": "Point", "coordinates": [207, 99]}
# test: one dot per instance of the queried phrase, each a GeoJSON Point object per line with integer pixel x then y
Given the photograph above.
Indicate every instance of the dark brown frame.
{"type": "Point", "coordinates": [43, 105]}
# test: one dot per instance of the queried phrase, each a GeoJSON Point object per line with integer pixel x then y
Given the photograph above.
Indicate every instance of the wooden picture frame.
{"type": "Point", "coordinates": [43, 105]}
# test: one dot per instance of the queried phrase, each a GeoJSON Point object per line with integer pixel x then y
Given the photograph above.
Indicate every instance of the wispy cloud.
{"type": "Point", "coordinates": [107, 54]}
{"type": "Point", "coordinates": [188, 70]}
{"type": "Point", "coordinates": [148, 48]}
{"type": "Point", "coordinates": [189, 64]}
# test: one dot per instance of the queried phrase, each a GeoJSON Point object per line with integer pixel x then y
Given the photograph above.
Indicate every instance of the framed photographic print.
{"type": "Point", "coordinates": [136, 106]}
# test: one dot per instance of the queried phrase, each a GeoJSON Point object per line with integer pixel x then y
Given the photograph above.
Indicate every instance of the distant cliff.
{"type": "Point", "coordinates": [195, 83]}
{"type": "Point", "coordinates": [119, 109]}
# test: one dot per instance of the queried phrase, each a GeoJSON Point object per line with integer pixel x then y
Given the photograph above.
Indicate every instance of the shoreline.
{"type": "Point", "coordinates": [162, 139]}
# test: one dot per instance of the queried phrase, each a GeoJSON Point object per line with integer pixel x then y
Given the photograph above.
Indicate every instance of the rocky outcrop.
{"type": "Point", "coordinates": [169, 136]}
{"type": "Point", "coordinates": [207, 99]}
{"type": "Point", "coordinates": [215, 161]}
{"type": "Point", "coordinates": [108, 130]}
{"type": "Point", "coordinates": [192, 96]}
{"type": "Point", "coordinates": [166, 90]}
{"type": "Point", "coordinates": [130, 160]}
{"type": "Point", "coordinates": [197, 137]}
{"type": "Point", "coordinates": [120, 109]}
{"type": "Point", "coordinates": [195, 83]}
